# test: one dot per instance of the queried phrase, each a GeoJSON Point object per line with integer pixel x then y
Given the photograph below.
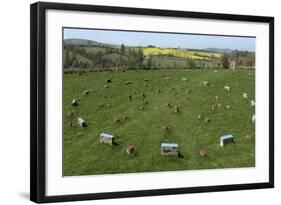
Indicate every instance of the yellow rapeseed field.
{"type": "Point", "coordinates": [195, 55]}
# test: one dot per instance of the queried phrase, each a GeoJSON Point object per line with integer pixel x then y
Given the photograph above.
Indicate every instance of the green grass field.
{"type": "Point", "coordinates": [85, 155]}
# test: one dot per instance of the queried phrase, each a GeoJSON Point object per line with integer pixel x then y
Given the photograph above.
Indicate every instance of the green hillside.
{"type": "Point", "coordinates": [80, 54]}
{"type": "Point", "coordinates": [83, 42]}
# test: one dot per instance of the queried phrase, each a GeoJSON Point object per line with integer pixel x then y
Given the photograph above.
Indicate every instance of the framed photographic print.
{"type": "Point", "coordinates": [129, 102]}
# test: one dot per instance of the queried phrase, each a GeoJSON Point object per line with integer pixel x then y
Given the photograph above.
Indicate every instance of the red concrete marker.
{"type": "Point", "coordinates": [202, 152]}
{"type": "Point", "coordinates": [130, 149]}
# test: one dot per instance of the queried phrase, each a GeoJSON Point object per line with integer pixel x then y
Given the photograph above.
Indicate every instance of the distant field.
{"type": "Point", "coordinates": [85, 155]}
{"type": "Point", "coordinates": [195, 55]}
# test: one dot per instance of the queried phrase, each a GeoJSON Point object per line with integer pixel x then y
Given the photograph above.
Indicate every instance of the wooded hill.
{"type": "Point", "coordinates": [80, 54]}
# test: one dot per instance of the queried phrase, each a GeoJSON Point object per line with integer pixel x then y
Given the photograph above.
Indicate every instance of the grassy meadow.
{"type": "Point", "coordinates": [142, 120]}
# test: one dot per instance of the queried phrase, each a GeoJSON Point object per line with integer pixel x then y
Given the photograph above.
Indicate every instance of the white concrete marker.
{"type": "Point", "coordinates": [226, 88]}
{"type": "Point", "coordinates": [245, 95]}
{"type": "Point", "coordinates": [226, 139]}
{"type": "Point", "coordinates": [253, 118]}
{"type": "Point", "coordinates": [253, 103]}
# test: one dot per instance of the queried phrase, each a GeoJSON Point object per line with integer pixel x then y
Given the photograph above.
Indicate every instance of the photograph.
{"type": "Point", "coordinates": [149, 101]}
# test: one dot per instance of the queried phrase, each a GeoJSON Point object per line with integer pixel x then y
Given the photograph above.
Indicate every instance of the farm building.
{"type": "Point", "coordinates": [169, 149]}
{"type": "Point", "coordinates": [246, 62]}
{"type": "Point", "coordinates": [232, 64]}
{"type": "Point", "coordinates": [106, 138]}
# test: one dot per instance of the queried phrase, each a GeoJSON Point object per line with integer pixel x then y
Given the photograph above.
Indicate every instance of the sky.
{"type": "Point", "coordinates": [164, 40]}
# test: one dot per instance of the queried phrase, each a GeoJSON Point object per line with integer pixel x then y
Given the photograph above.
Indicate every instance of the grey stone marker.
{"type": "Point", "coordinates": [205, 83]}
{"type": "Point", "coordinates": [129, 97]}
{"type": "Point", "coordinates": [169, 149]}
{"type": "Point", "coordinates": [106, 138]}
{"type": "Point", "coordinates": [128, 82]}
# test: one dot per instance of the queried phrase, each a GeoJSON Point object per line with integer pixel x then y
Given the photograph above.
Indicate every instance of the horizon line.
{"type": "Point", "coordinates": [157, 46]}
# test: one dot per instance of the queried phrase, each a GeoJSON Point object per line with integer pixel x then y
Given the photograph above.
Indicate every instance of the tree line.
{"type": "Point", "coordinates": [102, 58]}
{"type": "Point", "coordinates": [126, 58]}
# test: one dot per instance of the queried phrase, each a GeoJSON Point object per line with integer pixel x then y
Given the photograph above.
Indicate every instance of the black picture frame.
{"type": "Point", "coordinates": [38, 103]}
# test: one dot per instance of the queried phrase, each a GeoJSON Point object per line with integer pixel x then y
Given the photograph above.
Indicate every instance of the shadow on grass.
{"type": "Point", "coordinates": [115, 144]}
{"type": "Point", "coordinates": [180, 155]}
